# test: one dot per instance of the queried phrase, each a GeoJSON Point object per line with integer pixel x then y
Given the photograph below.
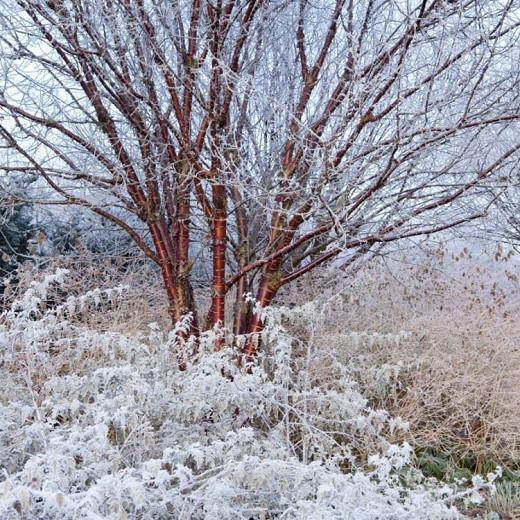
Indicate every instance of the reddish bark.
{"type": "Point", "coordinates": [219, 260]}
{"type": "Point", "coordinates": [168, 100]}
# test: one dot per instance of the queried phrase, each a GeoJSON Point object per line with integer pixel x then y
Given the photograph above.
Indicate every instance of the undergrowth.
{"type": "Point", "coordinates": [101, 424]}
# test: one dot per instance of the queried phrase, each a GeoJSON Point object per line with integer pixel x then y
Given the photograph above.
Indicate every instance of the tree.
{"type": "Point", "coordinates": [505, 224]}
{"type": "Point", "coordinates": [271, 136]}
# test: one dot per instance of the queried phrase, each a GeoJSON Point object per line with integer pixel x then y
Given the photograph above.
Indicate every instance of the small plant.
{"type": "Point", "coordinates": [506, 499]}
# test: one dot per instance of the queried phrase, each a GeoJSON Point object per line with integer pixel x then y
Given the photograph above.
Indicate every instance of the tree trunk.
{"type": "Point", "coordinates": [219, 261]}
{"type": "Point", "coordinates": [269, 286]}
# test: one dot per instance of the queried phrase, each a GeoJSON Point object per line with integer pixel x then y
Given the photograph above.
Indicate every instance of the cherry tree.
{"type": "Point", "coordinates": [271, 136]}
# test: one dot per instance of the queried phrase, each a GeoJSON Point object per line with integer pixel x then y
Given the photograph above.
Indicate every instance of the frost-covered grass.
{"type": "Point", "coordinates": [98, 424]}
{"type": "Point", "coordinates": [432, 337]}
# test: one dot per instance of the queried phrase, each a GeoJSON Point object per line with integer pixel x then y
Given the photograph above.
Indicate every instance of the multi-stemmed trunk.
{"type": "Point", "coordinates": [277, 134]}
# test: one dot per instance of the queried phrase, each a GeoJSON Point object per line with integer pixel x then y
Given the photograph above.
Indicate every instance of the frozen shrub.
{"type": "Point", "coordinates": [100, 425]}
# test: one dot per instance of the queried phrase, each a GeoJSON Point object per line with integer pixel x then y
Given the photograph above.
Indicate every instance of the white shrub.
{"type": "Point", "coordinates": [99, 425]}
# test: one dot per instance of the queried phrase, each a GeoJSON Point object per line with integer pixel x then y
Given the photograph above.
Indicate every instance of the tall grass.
{"type": "Point", "coordinates": [435, 341]}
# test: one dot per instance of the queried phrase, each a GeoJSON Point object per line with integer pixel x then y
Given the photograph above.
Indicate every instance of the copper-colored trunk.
{"type": "Point", "coordinates": [269, 285]}
{"type": "Point", "coordinates": [219, 259]}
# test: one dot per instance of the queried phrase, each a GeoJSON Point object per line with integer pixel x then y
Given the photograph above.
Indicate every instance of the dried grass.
{"type": "Point", "coordinates": [436, 342]}
{"type": "Point", "coordinates": [145, 300]}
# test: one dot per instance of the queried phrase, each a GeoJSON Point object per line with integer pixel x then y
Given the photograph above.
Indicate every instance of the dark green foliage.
{"type": "Point", "coordinates": [448, 467]}
{"type": "Point", "coordinates": [16, 230]}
